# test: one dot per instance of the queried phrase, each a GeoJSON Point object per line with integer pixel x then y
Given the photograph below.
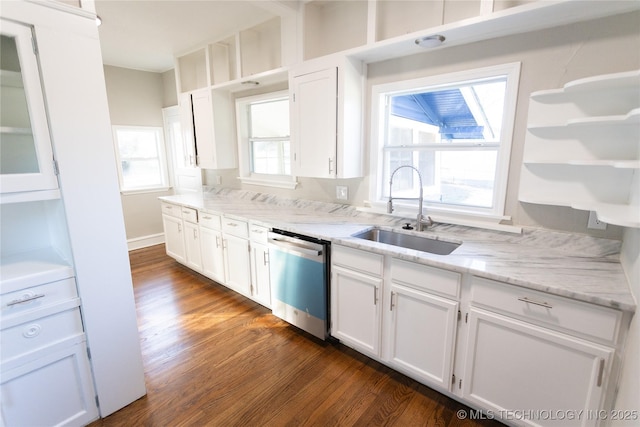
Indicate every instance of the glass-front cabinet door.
{"type": "Point", "coordinates": [26, 158]}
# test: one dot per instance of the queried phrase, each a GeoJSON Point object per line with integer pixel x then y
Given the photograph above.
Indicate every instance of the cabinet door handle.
{"type": "Point", "coordinates": [265, 257]}
{"type": "Point", "coordinates": [195, 233]}
{"type": "Point", "coordinates": [600, 372]}
{"type": "Point", "coordinates": [26, 298]}
{"type": "Point", "coordinates": [330, 165]}
{"type": "Point", "coordinates": [179, 228]}
{"type": "Point", "coordinates": [217, 242]}
{"type": "Point", "coordinates": [375, 295]}
{"type": "Point", "coordinates": [534, 302]}
{"type": "Point", "coordinates": [391, 302]}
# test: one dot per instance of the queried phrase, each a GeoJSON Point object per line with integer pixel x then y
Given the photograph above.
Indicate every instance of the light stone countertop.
{"type": "Point", "coordinates": [571, 265]}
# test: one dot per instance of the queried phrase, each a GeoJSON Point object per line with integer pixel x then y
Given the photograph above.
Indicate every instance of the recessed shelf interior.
{"type": "Point", "coordinates": [260, 47]}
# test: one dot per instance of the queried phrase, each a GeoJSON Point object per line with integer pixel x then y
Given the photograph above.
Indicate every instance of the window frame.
{"type": "Point", "coordinates": [162, 159]}
{"type": "Point", "coordinates": [450, 212]}
{"type": "Point", "coordinates": [244, 144]}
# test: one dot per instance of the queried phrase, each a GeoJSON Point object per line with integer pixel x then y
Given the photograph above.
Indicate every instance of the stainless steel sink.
{"type": "Point", "coordinates": [409, 241]}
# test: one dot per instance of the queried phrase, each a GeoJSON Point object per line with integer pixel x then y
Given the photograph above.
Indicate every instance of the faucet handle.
{"type": "Point", "coordinates": [407, 226]}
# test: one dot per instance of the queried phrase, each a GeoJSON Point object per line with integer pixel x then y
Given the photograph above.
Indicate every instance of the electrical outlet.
{"type": "Point", "coordinates": [342, 192]}
{"type": "Point", "coordinates": [595, 223]}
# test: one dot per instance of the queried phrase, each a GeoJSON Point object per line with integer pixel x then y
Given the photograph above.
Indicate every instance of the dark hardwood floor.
{"type": "Point", "coordinates": [213, 357]}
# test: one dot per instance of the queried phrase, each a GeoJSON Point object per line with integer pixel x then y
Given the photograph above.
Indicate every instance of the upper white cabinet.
{"type": "Point", "coordinates": [26, 161]}
{"type": "Point", "coordinates": [581, 148]}
{"type": "Point", "coordinates": [326, 118]}
{"type": "Point", "coordinates": [208, 126]}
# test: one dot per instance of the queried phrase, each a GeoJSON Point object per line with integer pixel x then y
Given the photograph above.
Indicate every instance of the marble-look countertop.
{"type": "Point", "coordinates": [571, 265]}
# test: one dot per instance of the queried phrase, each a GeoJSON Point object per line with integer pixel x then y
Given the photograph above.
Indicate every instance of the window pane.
{"type": "Point", "coordinates": [453, 177]}
{"type": "Point", "coordinates": [141, 173]}
{"type": "Point", "coordinates": [269, 119]}
{"type": "Point", "coordinates": [468, 111]}
{"type": "Point", "coordinates": [142, 159]}
{"type": "Point", "coordinates": [270, 157]}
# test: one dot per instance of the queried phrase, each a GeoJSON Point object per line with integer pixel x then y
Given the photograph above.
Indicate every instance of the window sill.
{"type": "Point", "coordinates": [145, 191]}
{"type": "Point", "coordinates": [290, 185]}
{"type": "Point", "coordinates": [469, 219]}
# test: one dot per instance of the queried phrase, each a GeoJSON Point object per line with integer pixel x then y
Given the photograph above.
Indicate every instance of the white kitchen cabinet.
{"type": "Point", "coordinates": [207, 118]}
{"type": "Point", "coordinates": [421, 334]}
{"type": "Point", "coordinates": [27, 162]}
{"type": "Point", "coordinates": [211, 246]}
{"type": "Point", "coordinates": [581, 147]}
{"type": "Point", "coordinates": [260, 278]}
{"type": "Point", "coordinates": [326, 118]}
{"type": "Point", "coordinates": [235, 238]}
{"type": "Point", "coordinates": [50, 387]}
{"type": "Point", "coordinates": [173, 232]}
{"type": "Point", "coordinates": [49, 254]}
{"type": "Point", "coordinates": [512, 365]}
{"type": "Point", "coordinates": [356, 299]}
{"type": "Point", "coordinates": [191, 234]}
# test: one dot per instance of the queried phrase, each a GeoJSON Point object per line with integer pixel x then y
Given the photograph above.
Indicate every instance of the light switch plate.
{"type": "Point", "coordinates": [594, 223]}
{"type": "Point", "coordinates": [342, 192]}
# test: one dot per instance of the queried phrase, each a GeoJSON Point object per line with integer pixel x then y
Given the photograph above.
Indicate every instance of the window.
{"type": "Point", "coordinates": [456, 130]}
{"type": "Point", "coordinates": [141, 158]}
{"type": "Point", "coordinates": [263, 140]}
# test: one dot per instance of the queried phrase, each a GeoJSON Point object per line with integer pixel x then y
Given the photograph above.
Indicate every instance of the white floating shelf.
{"type": "Point", "coordinates": [604, 82]}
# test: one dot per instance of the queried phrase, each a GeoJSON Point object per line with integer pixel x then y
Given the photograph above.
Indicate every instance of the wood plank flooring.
{"type": "Point", "coordinates": [215, 358]}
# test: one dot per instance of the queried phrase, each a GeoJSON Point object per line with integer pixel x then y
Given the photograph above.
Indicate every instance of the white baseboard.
{"type": "Point", "coordinates": [145, 241]}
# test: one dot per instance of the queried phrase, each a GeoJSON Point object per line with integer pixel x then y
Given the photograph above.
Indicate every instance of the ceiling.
{"type": "Point", "coordinates": [147, 34]}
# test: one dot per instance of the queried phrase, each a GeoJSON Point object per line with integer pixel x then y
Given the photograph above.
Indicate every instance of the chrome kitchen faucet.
{"type": "Point", "coordinates": [420, 220]}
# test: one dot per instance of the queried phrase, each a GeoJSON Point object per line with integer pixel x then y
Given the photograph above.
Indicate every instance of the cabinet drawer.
{"type": "Point", "coordinates": [258, 233]}
{"type": "Point", "coordinates": [356, 259]}
{"type": "Point", "coordinates": [171, 210]}
{"type": "Point", "coordinates": [235, 227]}
{"type": "Point", "coordinates": [40, 332]}
{"type": "Point", "coordinates": [431, 279]}
{"type": "Point", "coordinates": [548, 310]}
{"type": "Point", "coordinates": [35, 297]}
{"type": "Point", "coordinates": [189, 214]}
{"type": "Point", "coordinates": [209, 220]}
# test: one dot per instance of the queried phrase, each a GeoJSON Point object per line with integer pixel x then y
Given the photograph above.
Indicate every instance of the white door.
{"type": "Point", "coordinates": [26, 160]}
{"type": "Point", "coordinates": [355, 309]}
{"type": "Point", "coordinates": [212, 254]}
{"type": "Point", "coordinates": [515, 366]}
{"type": "Point", "coordinates": [237, 264]}
{"type": "Point", "coordinates": [314, 123]}
{"type": "Point", "coordinates": [173, 238]}
{"type": "Point", "coordinates": [187, 177]}
{"type": "Point", "coordinates": [260, 281]}
{"type": "Point", "coordinates": [192, 246]}
{"type": "Point", "coordinates": [421, 331]}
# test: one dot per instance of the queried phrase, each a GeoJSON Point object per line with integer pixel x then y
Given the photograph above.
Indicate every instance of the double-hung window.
{"type": "Point", "coordinates": [456, 130]}
{"type": "Point", "coordinates": [141, 158]}
{"type": "Point", "coordinates": [263, 140]}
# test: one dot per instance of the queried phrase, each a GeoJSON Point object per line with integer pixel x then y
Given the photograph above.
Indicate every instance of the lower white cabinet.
{"type": "Point", "coordinates": [355, 309]}
{"type": "Point", "coordinates": [513, 366]}
{"type": "Point", "coordinates": [192, 246]}
{"type": "Point", "coordinates": [421, 334]}
{"type": "Point", "coordinates": [212, 253]}
{"type": "Point", "coordinates": [173, 238]}
{"type": "Point", "coordinates": [49, 387]}
{"type": "Point", "coordinates": [260, 280]}
{"type": "Point", "coordinates": [237, 260]}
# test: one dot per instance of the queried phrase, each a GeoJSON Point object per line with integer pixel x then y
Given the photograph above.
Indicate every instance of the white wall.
{"type": "Point", "coordinates": [136, 98]}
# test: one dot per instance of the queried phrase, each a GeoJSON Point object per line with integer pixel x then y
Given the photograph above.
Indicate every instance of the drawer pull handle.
{"type": "Point", "coordinates": [600, 373]}
{"type": "Point", "coordinates": [232, 224]}
{"type": "Point", "coordinates": [534, 302]}
{"type": "Point", "coordinates": [25, 299]}
{"type": "Point", "coordinates": [257, 231]}
{"type": "Point", "coordinates": [32, 331]}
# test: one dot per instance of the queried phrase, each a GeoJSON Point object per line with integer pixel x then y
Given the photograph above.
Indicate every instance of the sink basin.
{"type": "Point", "coordinates": [409, 241]}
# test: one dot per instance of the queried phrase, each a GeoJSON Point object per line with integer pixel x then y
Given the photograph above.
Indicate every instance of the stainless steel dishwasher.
{"type": "Point", "coordinates": [298, 268]}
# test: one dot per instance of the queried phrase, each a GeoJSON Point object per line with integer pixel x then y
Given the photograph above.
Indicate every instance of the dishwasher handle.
{"type": "Point", "coordinates": [294, 245]}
